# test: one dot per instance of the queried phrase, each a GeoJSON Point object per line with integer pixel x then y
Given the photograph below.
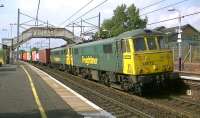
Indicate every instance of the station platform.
{"type": "Point", "coordinates": [27, 92]}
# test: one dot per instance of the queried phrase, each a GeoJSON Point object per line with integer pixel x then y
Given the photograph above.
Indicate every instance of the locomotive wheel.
{"type": "Point", "coordinates": [138, 89]}
{"type": "Point", "coordinates": [124, 86]}
{"type": "Point", "coordinates": [105, 79]}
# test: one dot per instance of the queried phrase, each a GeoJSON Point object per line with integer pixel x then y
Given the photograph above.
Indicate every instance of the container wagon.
{"type": "Point", "coordinates": [44, 56]}
{"type": "Point", "coordinates": [34, 56]}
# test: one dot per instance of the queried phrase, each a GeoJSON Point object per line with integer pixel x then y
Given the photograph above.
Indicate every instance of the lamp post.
{"type": "Point", "coordinates": [179, 38]}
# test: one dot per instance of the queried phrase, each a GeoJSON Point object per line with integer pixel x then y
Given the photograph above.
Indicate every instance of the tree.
{"type": "Point", "coordinates": [34, 49]}
{"type": "Point", "coordinates": [124, 19]}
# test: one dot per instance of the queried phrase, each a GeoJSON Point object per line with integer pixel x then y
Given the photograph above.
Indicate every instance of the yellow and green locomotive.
{"type": "Point", "coordinates": [129, 61]}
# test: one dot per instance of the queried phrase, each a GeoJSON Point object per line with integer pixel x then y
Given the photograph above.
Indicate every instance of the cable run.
{"type": "Point", "coordinates": [77, 12]}
{"type": "Point", "coordinates": [88, 11]}
{"type": "Point", "coordinates": [164, 7]}
{"type": "Point", "coordinates": [174, 18]}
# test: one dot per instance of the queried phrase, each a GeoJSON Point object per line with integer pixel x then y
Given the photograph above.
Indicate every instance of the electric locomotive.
{"type": "Point", "coordinates": [130, 61]}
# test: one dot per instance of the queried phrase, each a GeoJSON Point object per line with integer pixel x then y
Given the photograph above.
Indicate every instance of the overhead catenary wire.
{"type": "Point", "coordinates": [26, 22]}
{"type": "Point", "coordinates": [191, 14]}
{"type": "Point", "coordinates": [77, 12]}
{"type": "Point", "coordinates": [32, 25]}
{"type": "Point", "coordinates": [89, 31]}
{"type": "Point", "coordinates": [90, 24]}
{"type": "Point", "coordinates": [35, 19]}
{"type": "Point", "coordinates": [88, 11]}
{"type": "Point", "coordinates": [174, 4]}
{"type": "Point", "coordinates": [89, 18]}
{"type": "Point", "coordinates": [153, 4]}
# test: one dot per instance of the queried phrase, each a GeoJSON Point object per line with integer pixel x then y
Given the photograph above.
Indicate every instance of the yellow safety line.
{"type": "Point", "coordinates": [37, 100]}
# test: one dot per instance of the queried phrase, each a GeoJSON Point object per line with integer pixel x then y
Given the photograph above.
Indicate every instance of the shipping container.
{"type": "Point", "coordinates": [34, 56]}
{"type": "Point", "coordinates": [37, 56]}
{"type": "Point", "coordinates": [21, 55]}
{"type": "Point", "coordinates": [28, 56]}
{"type": "Point", "coordinates": [44, 56]}
{"type": "Point", "coordinates": [24, 58]}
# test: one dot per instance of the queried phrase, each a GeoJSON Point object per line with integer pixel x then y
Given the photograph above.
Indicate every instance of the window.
{"type": "Point", "coordinates": [107, 48]}
{"type": "Point", "coordinates": [161, 42]}
{"type": "Point", "coordinates": [139, 44]}
{"type": "Point", "coordinates": [151, 43]}
{"type": "Point", "coordinates": [125, 46]}
{"type": "Point", "coordinates": [75, 51]}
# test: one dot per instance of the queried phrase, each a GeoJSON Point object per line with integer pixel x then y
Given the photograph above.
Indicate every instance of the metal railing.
{"type": "Point", "coordinates": [190, 52]}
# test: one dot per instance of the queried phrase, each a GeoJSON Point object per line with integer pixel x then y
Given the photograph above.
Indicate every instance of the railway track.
{"type": "Point", "coordinates": [187, 104]}
{"type": "Point", "coordinates": [120, 104]}
{"type": "Point", "coordinates": [181, 104]}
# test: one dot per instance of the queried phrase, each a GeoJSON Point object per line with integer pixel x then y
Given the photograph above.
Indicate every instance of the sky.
{"type": "Point", "coordinates": [57, 11]}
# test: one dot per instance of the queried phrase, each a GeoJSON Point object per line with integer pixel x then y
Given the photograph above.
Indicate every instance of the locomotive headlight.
{"type": "Point", "coordinates": [154, 67]}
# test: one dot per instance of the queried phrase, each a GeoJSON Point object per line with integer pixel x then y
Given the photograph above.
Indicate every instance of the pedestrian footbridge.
{"type": "Point", "coordinates": [44, 32]}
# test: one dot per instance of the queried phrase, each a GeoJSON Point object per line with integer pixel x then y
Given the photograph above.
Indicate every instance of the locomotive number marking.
{"type": "Point", "coordinates": [89, 60]}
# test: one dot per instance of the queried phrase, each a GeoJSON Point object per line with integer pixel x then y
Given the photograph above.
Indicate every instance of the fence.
{"type": "Point", "coordinates": [190, 52]}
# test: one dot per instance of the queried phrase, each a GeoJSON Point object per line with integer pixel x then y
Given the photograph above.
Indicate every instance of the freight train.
{"type": "Point", "coordinates": [129, 61]}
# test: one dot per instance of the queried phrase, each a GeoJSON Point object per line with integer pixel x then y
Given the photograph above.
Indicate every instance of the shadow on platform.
{"type": "Point", "coordinates": [36, 114]}
{"type": "Point", "coordinates": [8, 67]}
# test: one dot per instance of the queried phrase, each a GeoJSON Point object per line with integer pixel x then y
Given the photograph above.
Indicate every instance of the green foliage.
{"type": "Point", "coordinates": [34, 49]}
{"type": "Point", "coordinates": [124, 19]}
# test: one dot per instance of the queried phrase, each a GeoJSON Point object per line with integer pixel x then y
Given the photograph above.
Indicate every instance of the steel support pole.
{"type": "Point", "coordinates": [18, 23]}
{"type": "Point", "coordinates": [49, 38]}
{"type": "Point", "coordinates": [99, 23]}
{"type": "Point", "coordinates": [73, 30]}
{"type": "Point", "coordinates": [81, 26]}
{"type": "Point", "coordinates": [179, 43]}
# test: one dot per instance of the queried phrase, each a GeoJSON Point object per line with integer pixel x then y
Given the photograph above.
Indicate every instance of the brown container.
{"type": "Point", "coordinates": [24, 58]}
{"type": "Point", "coordinates": [44, 56]}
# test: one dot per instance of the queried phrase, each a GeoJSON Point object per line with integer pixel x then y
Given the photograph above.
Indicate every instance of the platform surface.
{"type": "Point", "coordinates": [18, 99]}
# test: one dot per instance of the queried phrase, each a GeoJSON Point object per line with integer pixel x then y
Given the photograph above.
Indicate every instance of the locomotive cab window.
{"type": "Point", "coordinates": [151, 43]}
{"type": "Point", "coordinates": [125, 45]}
{"type": "Point", "coordinates": [139, 44]}
{"type": "Point", "coordinates": [161, 42]}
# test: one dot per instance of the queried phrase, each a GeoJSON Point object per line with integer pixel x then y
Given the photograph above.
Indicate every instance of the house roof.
{"type": "Point", "coordinates": [173, 29]}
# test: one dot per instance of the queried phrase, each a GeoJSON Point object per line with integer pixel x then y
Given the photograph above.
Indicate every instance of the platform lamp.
{"type": "Point", "coordinates": [179, 40]}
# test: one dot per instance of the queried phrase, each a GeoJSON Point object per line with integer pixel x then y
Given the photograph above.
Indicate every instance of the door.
{"type": "Point", "coordinates": [69, 58]}
{"type": "Point", "coordinates": [127, 51]}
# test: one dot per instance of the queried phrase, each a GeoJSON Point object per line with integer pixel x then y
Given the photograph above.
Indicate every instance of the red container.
{"type": "Point", "coordinates": [34, 56]}
{"type": "Point", "coordinates": [24, 58]}
{"type": "Point", "coordinates": [28, 56]}
{"type": "Point", "coordinates": [44, 56]}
